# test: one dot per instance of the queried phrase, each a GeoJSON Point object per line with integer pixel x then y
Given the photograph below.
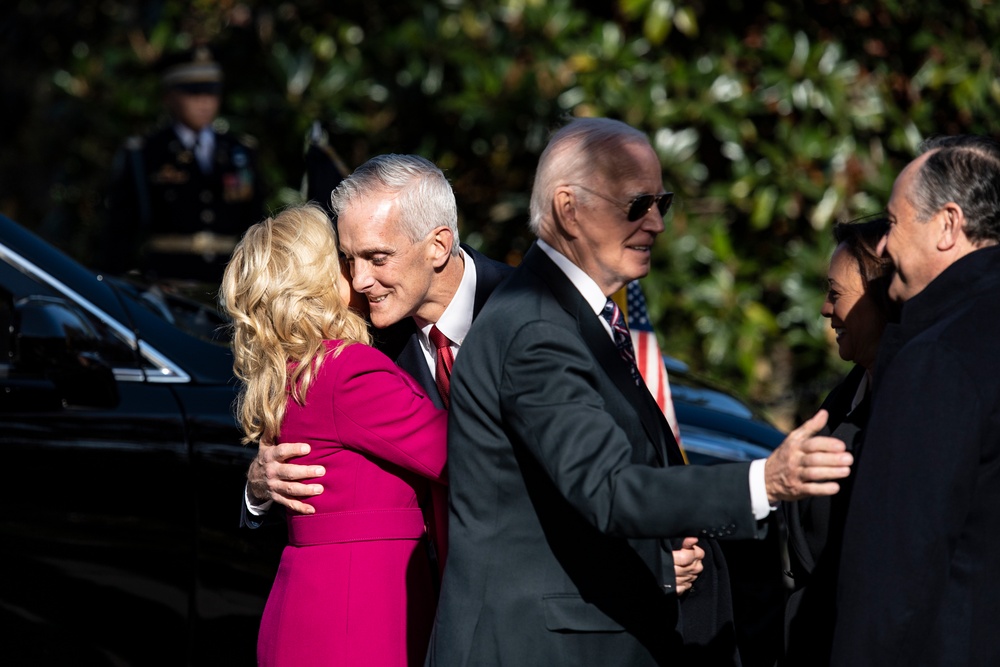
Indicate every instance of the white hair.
{"type": "Point", "coordinates": [423, 196]}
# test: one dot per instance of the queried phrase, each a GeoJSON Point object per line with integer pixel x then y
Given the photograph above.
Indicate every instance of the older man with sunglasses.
{"type": "Point", "coordinates": [568, 492]}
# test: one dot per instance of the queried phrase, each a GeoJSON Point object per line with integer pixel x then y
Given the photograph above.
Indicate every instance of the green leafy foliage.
{"type": "Point", "coordinates": [772, 120]}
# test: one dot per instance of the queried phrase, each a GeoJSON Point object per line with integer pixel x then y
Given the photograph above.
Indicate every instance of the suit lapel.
{"type": "Point", "coordinates": [412, 360]}
{"type": "Point", "coordinates": [846, 424]}
{"type": "Point", "coordinates": [610, 360]}
{"type": "Point", "coordinates": [489, 274]}
{"type": "Point", "coordinates": [604, 351]}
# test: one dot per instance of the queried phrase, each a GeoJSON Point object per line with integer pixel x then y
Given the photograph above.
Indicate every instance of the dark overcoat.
{"type": "Point", "coordinates": [919, 579]}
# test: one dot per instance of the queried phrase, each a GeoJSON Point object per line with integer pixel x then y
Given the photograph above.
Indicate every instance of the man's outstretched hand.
{"type": "Point", "coordinates": [806, 464]}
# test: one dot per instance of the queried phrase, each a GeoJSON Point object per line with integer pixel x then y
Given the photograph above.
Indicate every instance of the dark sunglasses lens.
{"type": "Point", "coordinates": [665, 201]}
{"type": "Point", "coordinates": [641, 205]}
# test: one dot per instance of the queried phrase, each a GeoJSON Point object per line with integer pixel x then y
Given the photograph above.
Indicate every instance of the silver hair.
{"type": "Point", "coordinates": [423, 196]}
{"type": "Point", "coordinates": [576, 152]}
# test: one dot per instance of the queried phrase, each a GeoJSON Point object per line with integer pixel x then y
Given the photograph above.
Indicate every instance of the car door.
{"type": "Point", "coordinates": [236, 566]}
{"type": "Point", "coordinates": [98, 532]}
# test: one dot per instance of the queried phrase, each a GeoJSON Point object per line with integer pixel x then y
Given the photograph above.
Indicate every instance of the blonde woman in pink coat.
{"type": "Point", "coordinates": [355, 584]}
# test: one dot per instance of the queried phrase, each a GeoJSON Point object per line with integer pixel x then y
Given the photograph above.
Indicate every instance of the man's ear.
{"type": "Point", "coordinates": [442, 240]}
{"type": "Point", "coordinates": [565, 209]}
{"type": "Point", "coordinates": [951, 226]}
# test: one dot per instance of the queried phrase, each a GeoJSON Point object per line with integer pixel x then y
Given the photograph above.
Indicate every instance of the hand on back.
{"type": "Point", "coordinates": [272, 477]}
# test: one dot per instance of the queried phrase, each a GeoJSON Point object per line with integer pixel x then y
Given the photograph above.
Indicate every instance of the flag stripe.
{"type": "Point", "coordinates": [649, 359]}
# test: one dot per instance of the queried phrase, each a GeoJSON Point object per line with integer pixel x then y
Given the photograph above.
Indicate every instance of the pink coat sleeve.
{"type": "Point", "coordinates": [379, 409]}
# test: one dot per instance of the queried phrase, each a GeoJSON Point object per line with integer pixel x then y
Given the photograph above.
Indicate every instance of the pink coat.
{"type": "Point", "coordinates": [355, 583]}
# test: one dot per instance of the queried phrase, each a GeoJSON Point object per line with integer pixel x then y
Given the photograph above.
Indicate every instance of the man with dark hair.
{"type": "Point", "coordinates": [918, 580]}
{"type": "Point", "coordinates": [181, 197]}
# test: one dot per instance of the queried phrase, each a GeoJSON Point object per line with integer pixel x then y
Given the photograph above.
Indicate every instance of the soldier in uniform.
{"type": "Point", "coordinates": [181, 197]}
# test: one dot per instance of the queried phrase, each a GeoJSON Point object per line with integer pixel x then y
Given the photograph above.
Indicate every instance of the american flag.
{"type": "Point", "coordinates": [648, 357]}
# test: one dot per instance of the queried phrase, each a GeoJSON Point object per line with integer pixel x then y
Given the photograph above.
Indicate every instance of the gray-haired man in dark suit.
{"type": "Point", "coordinates": [568, 492]}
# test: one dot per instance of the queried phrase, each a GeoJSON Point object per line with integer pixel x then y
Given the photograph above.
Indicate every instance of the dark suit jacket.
{"type": "Point", "coordinates": [815, 532]}
{"type": "Point", "coordinates": [560, 499]}
{"type": "Point", "coordinates": [489, 274]}
{"type": "Point", "coordinates": [918, 581]}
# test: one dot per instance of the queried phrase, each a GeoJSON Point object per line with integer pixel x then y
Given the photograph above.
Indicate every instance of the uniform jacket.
{"type": "Point", "coordinates": [919, 580]}
{"type": "Point", "coordinates": [560, 494]}
{"type": "Point", "coordinates": [169, 218]}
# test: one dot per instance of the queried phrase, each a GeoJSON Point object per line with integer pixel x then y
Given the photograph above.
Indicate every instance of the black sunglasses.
{"type": "Point", "coordinates": [639, 206]}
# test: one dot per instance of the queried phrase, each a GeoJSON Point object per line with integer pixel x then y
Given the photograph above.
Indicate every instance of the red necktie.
{"type": "Point", "coordinates": [445, 359]}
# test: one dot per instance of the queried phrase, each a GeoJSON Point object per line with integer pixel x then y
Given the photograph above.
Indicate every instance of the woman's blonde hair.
{"type": "Point", "coordinates": [281, 290]}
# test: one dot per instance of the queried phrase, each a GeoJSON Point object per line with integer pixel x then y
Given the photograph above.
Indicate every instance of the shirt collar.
{"type": "Point", "coordinates": [584, 284]}
{"type": "Point", "coordinates": [456, 320]}
{"type": "Point", "coordinates": [189, 136]}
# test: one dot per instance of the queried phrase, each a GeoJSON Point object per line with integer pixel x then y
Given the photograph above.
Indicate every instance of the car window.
{"type": "Point", "coordinates": [26, 300]}
{"type": "Point", "coordinates": [201, 319]}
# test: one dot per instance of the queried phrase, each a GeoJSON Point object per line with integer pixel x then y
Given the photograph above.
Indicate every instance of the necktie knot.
{"type": "Point", "coordinates": [623, 339]}
{"type": "Point", "coordinates": [438, 339]}
{"type": "Point", "coordinates": [611, 313]}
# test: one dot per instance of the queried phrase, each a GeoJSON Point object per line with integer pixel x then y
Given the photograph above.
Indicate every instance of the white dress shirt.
{"type": "Point", "coordinates": [455, 321]}
{"type": "Point", "coordinates": [202, 144]}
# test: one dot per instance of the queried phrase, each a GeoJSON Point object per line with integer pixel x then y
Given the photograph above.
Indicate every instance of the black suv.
{"type": "Point", "coordinates": [124, 470]}
{"type": "Point", "coordinates": [124, 473]}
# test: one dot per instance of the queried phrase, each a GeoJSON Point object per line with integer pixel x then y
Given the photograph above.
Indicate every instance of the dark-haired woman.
{"type": "Point", "coordinates": [859, 307]}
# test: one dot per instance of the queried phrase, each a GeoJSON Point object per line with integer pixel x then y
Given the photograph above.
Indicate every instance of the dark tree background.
{"type": "Point", "coordinates": [772, 121]}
